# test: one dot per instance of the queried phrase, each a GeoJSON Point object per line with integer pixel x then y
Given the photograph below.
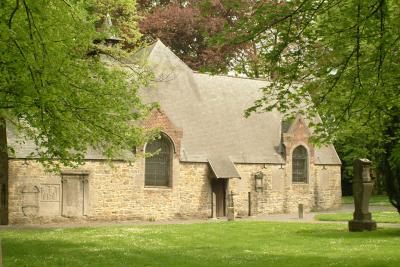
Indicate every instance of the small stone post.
{"type": "Point", "coordinates": [231, 208]}
{"type": "Point", "coordinates": [362, 189]}
{"type": "Point", "coordinates": [301, 211]}
{"type": "Point", "coordinates": [249, 200]}
{"type": "Point", "coordinates": [214, 205]}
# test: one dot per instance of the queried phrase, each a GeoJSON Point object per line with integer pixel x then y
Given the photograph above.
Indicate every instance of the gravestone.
{"type": "Point", "coordinates": [74, 195]}
{"type": "Point", "coordinates": [30, 200]}
{"type": "Point", "coordinates": [362, 189]}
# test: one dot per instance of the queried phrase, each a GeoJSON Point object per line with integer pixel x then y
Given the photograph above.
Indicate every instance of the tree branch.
{"type": "Point", "coordinates": [13, 13]}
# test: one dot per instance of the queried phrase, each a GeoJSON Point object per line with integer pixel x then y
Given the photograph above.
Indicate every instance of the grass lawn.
{"type": "Point", "coordinates": [374, 201]}
{"type": "Point", "coordinates": [208, 244]}
{"type": "Point", "coordinates": [378, 216]}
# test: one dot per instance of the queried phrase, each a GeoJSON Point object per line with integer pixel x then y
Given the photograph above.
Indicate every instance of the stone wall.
{"type": "Point", "coordinates": [280, 195]}
{"type": "Point", "coordinates": [113, 193]}
{"type": "Point", "coordinates": [118, 193]}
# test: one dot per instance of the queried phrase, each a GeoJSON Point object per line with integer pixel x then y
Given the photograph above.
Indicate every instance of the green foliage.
{"type": "Point", "coordinates": [55, 87]}
{"type": "Point", "coordinates": [340, 59]}
{"type": "Point", "coordinates": [206, 244]}
{"type": "Point", "coordinates": [188, 27]}
{"type": "Point", "coordinates": [124, 19]}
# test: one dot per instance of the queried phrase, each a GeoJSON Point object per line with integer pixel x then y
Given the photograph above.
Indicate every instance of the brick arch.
{"type": "Point", "coordinates": [298, 134]}
{"type": "Point", "coordinates": [159, 119]}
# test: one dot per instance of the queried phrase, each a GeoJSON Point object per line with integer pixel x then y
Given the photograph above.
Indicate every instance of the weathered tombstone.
{"type": "Point", "coordinates": [231, 208]}
{"type": "Point", "coordinates": [74, 194]}
{"type": "Point", "coordinates": [30, 200]}
{"type": "Point", "coordinates": [362, 189]}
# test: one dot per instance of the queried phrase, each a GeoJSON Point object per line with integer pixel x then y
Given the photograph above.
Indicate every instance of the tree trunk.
{"type": "Point", "coordinates": [3, 173]}
{"type": "Point", "coordinates": [390, 171]}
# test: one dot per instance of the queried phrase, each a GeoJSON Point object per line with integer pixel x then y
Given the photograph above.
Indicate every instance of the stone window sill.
{"type": "Point", "coordinates": [157, 188]}
{"type": "Point", "coordinates": [300, 183]}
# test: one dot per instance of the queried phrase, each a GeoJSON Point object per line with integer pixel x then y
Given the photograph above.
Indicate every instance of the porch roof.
{"type": "Point", "coordinates": [223, 167]}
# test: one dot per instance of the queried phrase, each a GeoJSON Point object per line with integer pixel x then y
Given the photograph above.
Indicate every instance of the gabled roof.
{"type": "Point", "coordinates": [210, 110]}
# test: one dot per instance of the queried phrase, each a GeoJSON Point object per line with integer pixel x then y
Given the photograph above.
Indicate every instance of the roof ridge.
{"type": "Point", "coordinates": [146, 50]}
{"type": "Point", "coordinates": [231, 76]}
{"type": "Point", "coordinates": [172, 52]}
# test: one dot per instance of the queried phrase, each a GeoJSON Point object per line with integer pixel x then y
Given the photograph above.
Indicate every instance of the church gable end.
{"type": "Point", "coordinates": [298, 134]}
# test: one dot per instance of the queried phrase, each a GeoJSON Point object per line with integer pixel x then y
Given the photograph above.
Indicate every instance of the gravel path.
{"type": "Point", "coordinates": [350, 208]}
{"type": "Point", "coordinates": [308, 218]}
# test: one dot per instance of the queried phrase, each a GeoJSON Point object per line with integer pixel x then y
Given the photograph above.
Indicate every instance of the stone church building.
{"type": "Point", "coordinates": [209, 155]}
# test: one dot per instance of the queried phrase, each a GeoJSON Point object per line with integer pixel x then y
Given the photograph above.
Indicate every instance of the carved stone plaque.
{"type": "Point", "coordinates": [50, 199]}
{"type": "Point", "coordinates": [50, 193]}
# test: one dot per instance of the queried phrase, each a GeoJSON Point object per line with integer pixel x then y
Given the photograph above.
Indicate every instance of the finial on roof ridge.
{"type": "Point", "coordinates": [108, 29]}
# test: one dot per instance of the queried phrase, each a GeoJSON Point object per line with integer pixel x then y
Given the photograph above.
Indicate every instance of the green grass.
{"type": "Point", "coordinates": [374, 201]}
{"type": "Point", "coordinates": [378, 216]}
{"type": "Point", "coordinates": [208, 245]}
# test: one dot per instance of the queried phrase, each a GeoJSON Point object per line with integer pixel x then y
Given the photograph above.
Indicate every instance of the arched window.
{"type": "Point", "coordinates": [299, 165]}
{"type": "Point", "coordinates": [158, 168]}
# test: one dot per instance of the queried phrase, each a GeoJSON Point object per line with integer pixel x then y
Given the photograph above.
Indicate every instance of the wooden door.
{"type": "Point", "coordinates": [72, 196]}
{"type": "Point", "coordinates": [219, 189]}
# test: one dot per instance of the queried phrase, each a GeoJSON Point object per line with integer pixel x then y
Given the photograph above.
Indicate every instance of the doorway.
{"type": "Point", "coordinates": [219, 191]}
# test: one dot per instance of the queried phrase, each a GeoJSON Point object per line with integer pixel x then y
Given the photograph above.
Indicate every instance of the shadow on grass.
{"type": "Point", "coordinates": [208, 245]}
{"type": "Point", "coordinates": [381, 233]}
{"type": "Point", "coordinates": [28, 252]}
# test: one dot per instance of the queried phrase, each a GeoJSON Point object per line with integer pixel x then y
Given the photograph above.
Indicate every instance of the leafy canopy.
{"type": "Point", "coordinates": [188, 26]}
{"type": "Point", "coordinates": [340, 58]}
{"type": "Point", "coordinates": [124, 19]}
{"type": "Point", "coordinates": [57, 89]}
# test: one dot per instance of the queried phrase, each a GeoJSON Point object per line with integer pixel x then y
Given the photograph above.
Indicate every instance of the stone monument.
{"type": "Point", "coordinates": [362, 189]}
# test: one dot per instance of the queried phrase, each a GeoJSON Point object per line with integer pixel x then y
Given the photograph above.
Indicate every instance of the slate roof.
{"type": "Point", "coordinates": [209, 109]}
